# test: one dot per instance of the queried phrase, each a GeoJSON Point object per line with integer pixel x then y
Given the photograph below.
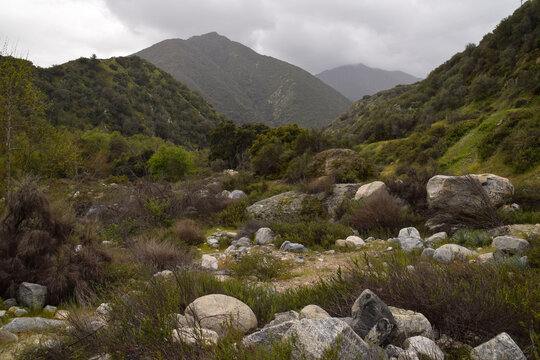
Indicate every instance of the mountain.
{"type": "Point", "coordinates": [355, 81]}
{"type": "Point", "coordinates": [126, 94]}
{"type": "Point", "coordinates": [246, 86]}
{"type": "Point", "coordinates": [479, 111]}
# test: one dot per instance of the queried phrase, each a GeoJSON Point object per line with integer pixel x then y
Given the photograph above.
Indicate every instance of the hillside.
{"type": "Point", "coordinates": [356, 81]}
{"type": "Point", "coordinates": [126, 94]}
{"type": "Point", "coordinates": [479, 111]}
{"type": "Point", "coordinates": [246, 86]}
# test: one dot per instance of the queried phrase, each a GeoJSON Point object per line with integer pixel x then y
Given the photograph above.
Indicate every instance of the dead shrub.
{"type": "Point", "coordinates": [37, 244]}
{"type": "Point", "coordinates": [321, 184]}
{"type": "Point", "coordinates": [189, 232]}
{"type": "Point", "coordinates": [162, 255]}
{"type": "Point", "coordinates": [381, 211]}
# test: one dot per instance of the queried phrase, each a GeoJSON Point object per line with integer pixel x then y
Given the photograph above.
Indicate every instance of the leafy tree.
{"type": "Point", "coordinates": [170, 163]}
{"type": "Point", "coordinates": [21, 106]}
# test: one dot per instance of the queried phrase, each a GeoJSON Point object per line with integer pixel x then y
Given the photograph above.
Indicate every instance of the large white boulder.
{"type": "Point", "coordinates": [368, 190]}
{"type": "Point", "coordinates": [264, 236]}
{"type": "Point", "coordinates": [448, 252]}
{"type": "Point", "coordinates": [217, 312]}
{"type": "Point", "coordinates": [511, 244]}
{"type": "Point", "coordinates": [501, 347]}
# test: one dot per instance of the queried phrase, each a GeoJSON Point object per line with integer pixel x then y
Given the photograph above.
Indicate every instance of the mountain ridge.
{"type": "Point", "coordinates": [246, 86]}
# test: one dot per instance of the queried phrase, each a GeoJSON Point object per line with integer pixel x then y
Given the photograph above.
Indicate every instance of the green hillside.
{"type": "Point", "coordinates": [479, 111]}
{"type": "Point", "coordinates": [246, 86]}
{"type": "Point", "coordinates": [125, 94]}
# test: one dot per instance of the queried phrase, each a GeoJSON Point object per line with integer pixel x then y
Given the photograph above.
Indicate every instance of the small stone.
{"type": "Point", "coordinates": [264, 236]}
{"type": "Point", "coordinates": [20, 312]}
{"type": "Point", "coordinates": [62, 314]}
{"type": "Point", "coordinates": [10, 302]}
{"type": "Point", "coordinates": [292, 247]}
{"type": "Point", "coordinates": [49, 309]}
{"type": "Point", "coordinates": [299, 260]}
{"type": "Point", "coordinates": [209, 262]}
{"type": "Point", "coordinates": [243, 242]}
{"type": "Point", "coordinates": [313, 312]}
{"type": "Point", "coordinates": [237, 195]}
{"type": "Point", "coordinates": [355, 241]}
{"type": "Point", "coordinates": [163, 274]}
{"type": "Point", "coordinates": [78, 248]}
{"type": "Point", "coordinates": [7, 337]}
{"type": "Point", "coordinates": [427, 253]}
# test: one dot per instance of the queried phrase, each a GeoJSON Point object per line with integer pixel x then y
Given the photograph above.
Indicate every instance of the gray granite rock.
{"type": "Point", "coordinates": [32, 295]}
{"type": "Point", "coordinates": [367, 311]}
{"type": "Point", "coordinates": [501, 347]}
{"type": "Point", "coordinates": [32, 323]}
{"type": "Point", "coordinates": [266, 335]}
{"type": "Point", "coordinates": [511, 245]}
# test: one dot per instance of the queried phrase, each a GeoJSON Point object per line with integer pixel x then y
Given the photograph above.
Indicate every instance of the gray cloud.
{"type": "Point", "coordinates": [410, 35]}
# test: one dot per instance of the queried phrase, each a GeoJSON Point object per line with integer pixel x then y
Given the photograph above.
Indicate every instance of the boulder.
{"type": "Point", "coordinates": [355, 241]}
{"type": "Point", "coordinates": [243, 242]}
{"type": "Point", "coordinates": [313, 337]}
{"type": "Point", "coordinates": [266, 335]}
{"type": "Point", "coordinates": [192, 336]}
{"type": "Point", "coordinates": [283, 317]}
{"type": "Point", "coordinates": [32, 295]}
{"type": "Point", "coordinates": [409, 232]}
{"type": "Point", "coordinates": [510, 245]}
{"type": "Point", "coordinates": [7, 337]}
{"type": "Point", "coordinates": [292, 247]}
{"type": "Point", "coordinates": [409, 323]}
{"type": "Point", "coordinates": [209, 262]}
{"type": "Point", "coordinates": [279, 207]}
{"type": "Point", "coordinates": [440, 236]}
{"type": "Point", "coordinates": [424, 347]}
{"type": "Point", "coordinates": [20, 312]}
{"type": "Point", "coordinates": [368, 311]}
{"type": "Point", "coordinates": [456, 191]}
{"type": "Point", "coordinates": [217, 312]}
{"type": "Point", "coordinates": [10, 302]}
{"type": "Point", "coordinates": [448, 252]}
{"type": "Point", "coordinates": [408, 244]}
{"type": "Point", "coordinates": [340, 192]}
{"type": "Point", "coordinates": [264, 236]}
{"type": "Point", "coordinates": [501, 347]}
{"type": "Point", "coordinates": [368, 190]}
{"type": "Point", "coordinates": [342, 243]}
{"type": "Point", "coordinates": [32, 323]}
{"type": "Point", "coordinates": [313, 312]}
{"type": "Point", "coordinates": [237, 195]}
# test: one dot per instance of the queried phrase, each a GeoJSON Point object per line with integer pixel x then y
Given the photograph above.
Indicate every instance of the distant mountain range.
{"type": "Point", "coordinates": [356, 81]}
{"type": "Point", "coordinates": [246, 86]}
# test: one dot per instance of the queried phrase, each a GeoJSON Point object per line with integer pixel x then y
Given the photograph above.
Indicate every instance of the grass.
{"type": "Point", "coordinates": [321, 234]}
{"type": "Point", "coordinates": [264, 267]}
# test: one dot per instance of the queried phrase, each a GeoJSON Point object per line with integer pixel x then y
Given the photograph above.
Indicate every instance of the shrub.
{"type": "Point", "coordinates": [264, 267]}
{"type": "Point", "coordinates": [37, 244]}
{"type": "Point", "coordinates": [310, 233]}
{"type": "Point", "coordinates": [234, 214]}
{"type": "Point", "coordinates": [471, 238]}
{"type": "Point", "coordinates": [321, 184]}
{"type": "Point", "coordinates": [187, 231]}
{"type": "Point", "coordinates": [380, 212]}
{"type": "Point", "coordinates": [170, 163]}
{"type": "Point", "coordinates": [161, 255]}
{"type": "Point", "coordinates": [250, 227]}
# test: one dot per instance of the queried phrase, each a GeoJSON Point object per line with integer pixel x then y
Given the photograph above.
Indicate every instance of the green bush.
{"type": "Point", "coordinates": [233, 215]}
{"type": "Point", "coordinates": [170, 163]}
{"type": "Point", "coordinates": [472, 239]}
{"type": "Point", "coordinates": [310, 233]}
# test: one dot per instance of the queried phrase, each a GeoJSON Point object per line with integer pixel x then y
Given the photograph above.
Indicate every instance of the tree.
{"type": "Point", "coordinates": [170, 163]}
{"type": "Point", "coordinates": [21, 104]}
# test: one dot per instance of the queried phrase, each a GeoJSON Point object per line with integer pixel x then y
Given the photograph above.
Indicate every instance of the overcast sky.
{"type": "Point", "coordinates": [410, 35]}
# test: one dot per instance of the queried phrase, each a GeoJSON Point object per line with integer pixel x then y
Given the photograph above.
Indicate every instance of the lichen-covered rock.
{"type": "Point", "coordinates": [456, 192]}
{"type": "Point", "coordinates": [313, 337]}
{"type": "Point", "coordinates": [368, 190]}
{"type": "Point", "coordinates": [501, 347]}
{"type": "Point", "coordinates": [313, 312]}
{"type": "Point", "coordinates": [32, 323]}
{"type": "Point", "coordinates": [511, 244]}
{"type": "Point", "coordinates": [217, 312]}
{"type": "Point", "coordinates": [410, 323]}
{"type": "Point", "coordinates": [367, 311]}
{"type": "Point", "coordinates": [335, 199]}
{"type": "Point", "coordinates": [279, 207]}
{"type": "Point", "coordinates": [292, 247]}
{"type": "Point", "coordinates": [32, 295]}
{"type": "Point", "coordinates": [266, 335]}
{"type": "Point", "coordinates": [283, 317]}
